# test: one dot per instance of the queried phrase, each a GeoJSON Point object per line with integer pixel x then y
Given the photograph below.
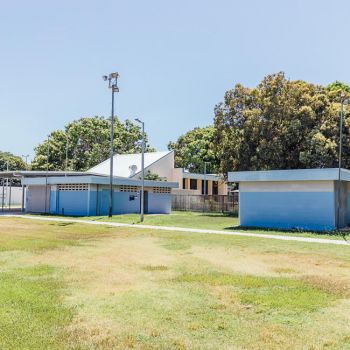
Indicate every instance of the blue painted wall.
{"type": "Point", "coordinates": [72, 203]}
{"type": "Point", "coordinates": [288, 210]}
{"type": "Point", "coordinates": [91, 203]}
{"type": "Point", "coordinates": [121, 202]}
{"type": "Point", "coordinates": [343, 212]}
{"type": "Point", "coordinates": [159, 203]}
{"type": "Point", "coordinates": [53, 202]}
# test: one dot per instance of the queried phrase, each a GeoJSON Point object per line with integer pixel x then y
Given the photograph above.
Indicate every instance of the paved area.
{"type": "Point", "coordinates": [190, 230]}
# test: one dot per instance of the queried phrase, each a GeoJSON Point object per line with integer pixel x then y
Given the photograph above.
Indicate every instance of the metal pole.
{"type": "Point", "coordinates": [3, 194]}
{"type": "Point", "coordinates": [143, 173]}
{"type": "Point", "coordinates": [23, 194]}
{"type": "Point", "coordinates": [10, 194]}
{"type": "Point", "coordinates": [111, 161]}
{"type": "Point", "coordinates": [26, 160]}
{"type": "Point", "coordinates": [112, 84]}
{"type": "Point", "coordinates": [142, 198]}
{"type": "Point", "coordinates": [340, 160]}
{"type": "Point", "coordinates": [7, 184]}
{"type": "Point", "coordinates": [47, 171]}
{"type": "Point", "coordinates": [66, 165]}
{"type": "Point", "coordinates": [205, 179]}
{"type": "Point", "coordinates": [205, 184]}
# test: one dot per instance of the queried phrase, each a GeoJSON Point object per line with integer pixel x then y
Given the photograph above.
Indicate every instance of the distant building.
{"type": "Point", "coordinates": [87, 193]}
{"type": "Point", "coordinates": [163, 165]}
{"type": "Point", "coordinates": [305, 199]}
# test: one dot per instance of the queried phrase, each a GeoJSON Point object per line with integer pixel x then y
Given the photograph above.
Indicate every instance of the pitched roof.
{"type": "Point", "coordinates": [127, 165]}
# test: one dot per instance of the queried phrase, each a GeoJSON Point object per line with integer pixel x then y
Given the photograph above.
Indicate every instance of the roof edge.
{"type": "Point", "coordinates": [320, 174]}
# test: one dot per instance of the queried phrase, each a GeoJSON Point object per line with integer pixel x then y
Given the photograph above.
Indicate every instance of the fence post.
{"type": "Point", "coordinates": [3, 193]}
{"type": "Point", "coordinates": [10, 194]}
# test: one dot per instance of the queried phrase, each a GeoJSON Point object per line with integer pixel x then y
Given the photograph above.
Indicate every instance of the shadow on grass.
{"type": "Point", "coordinates": [219, 215]}
{"type": "Point", "coordinates": [334, 233]}
{"type": "Point", "coordinates": [63, 224]}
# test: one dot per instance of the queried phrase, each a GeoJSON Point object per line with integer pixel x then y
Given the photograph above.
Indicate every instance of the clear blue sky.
{"type": "Point", "coordinates": [176, 59]}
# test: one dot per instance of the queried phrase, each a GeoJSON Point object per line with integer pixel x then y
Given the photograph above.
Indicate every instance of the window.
{"type": "Point", "coordinates": [127, 188]}
{"type": "Point", "coordinates": [184, 184]}
{"type": "Point", "coordinates": [73, 187]}
{"type": "Point", "coordinates": [161, 189]}
{"type": "Point", "coordinates": [193, 184]}
{"type": "Point", "coordinates": [215, 187]}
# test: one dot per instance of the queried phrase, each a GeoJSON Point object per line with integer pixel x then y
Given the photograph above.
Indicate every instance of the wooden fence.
{"type": "Point", "coordinates": [206, 203]}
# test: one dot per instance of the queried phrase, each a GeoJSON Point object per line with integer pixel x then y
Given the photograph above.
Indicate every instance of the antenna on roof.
{"type": "Point", "coordinates": [133, 169]}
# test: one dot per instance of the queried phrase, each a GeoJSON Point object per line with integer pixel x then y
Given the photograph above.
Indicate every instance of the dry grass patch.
{"type": "Point", "coordinates": [156, 268]}
{"type": "Point", "coordinates": [336, 286]}
{"type": "Point", "coordinates": [233, 259]}
{"type": "Point", "coordinates": [110, 265]}
{"type": "Point", "coordinates": [282, 270]}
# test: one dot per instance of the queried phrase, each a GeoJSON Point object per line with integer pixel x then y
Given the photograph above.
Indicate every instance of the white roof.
{"type": "Point", "coordinates": [127, 165]}
{"type": "Point", "coordinates": [93, 179]}
{"type": "Point", "coordinates": [290, 175]}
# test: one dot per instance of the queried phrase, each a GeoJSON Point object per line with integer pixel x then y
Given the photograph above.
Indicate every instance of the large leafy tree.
{"type": "Point", "coordinates": [88, 142]}
{"type": "Point", "coordinates": [194, 148]}
{"type": "Point", "coordinates": [280, 124]}
{"type": "Point", "coordinates": [13, 162]}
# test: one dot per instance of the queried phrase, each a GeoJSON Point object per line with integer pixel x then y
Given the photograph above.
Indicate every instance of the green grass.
{"type": "Point", "coordinates": [211, 221]}
{"type": "Point", "coordinates": [32, 315]}
{"type": "Point", "coordinates": [269, 294]}
{"type": "Point", "coordinates": [80, 286]}
{"type": "Point", "coordinates": [215, 221]}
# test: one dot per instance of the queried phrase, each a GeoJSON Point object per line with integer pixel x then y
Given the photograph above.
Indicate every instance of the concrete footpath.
{"type": "Point", "coordinates": [188, 230]}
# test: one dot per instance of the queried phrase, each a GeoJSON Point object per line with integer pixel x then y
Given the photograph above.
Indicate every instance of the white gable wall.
{"type": "Point", "coordinates": [163, 167]}
{"type": "Point", "coordinates": [123, 162]}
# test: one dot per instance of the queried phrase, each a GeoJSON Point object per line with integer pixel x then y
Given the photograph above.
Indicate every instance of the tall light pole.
{"type": "Point", "coordinates": [23, 194]}
{"type": "Point", "coordinates": [113, 85]}
{"type": "Point", "coordinates": [142, 209]}
{"type": "Point", "coordinates": [7, 184]}
{"type": "Point", "coordinates": [26, 159]}
{"type": "Point", "coordinates": [342, 101]}
{"type": "Point", "coordinates": [47, 170]}
{"type": "Point", "coordinates": [66, 165]}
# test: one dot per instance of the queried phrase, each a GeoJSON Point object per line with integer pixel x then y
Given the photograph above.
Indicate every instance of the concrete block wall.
{"type": "Point", "coordinates": [288, 205]}
{"type": "Point", "coordinates": [95, 201]}
{"type": "Point", "coordinates": [159, 203]}
{"type": "Point", "coordinates": [72, 203]}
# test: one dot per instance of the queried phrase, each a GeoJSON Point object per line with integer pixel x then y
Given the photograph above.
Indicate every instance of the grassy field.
{"type": "Point", "coordinates": [211, 221]}
{"type": "Point", "coordinates": [75, 286]}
